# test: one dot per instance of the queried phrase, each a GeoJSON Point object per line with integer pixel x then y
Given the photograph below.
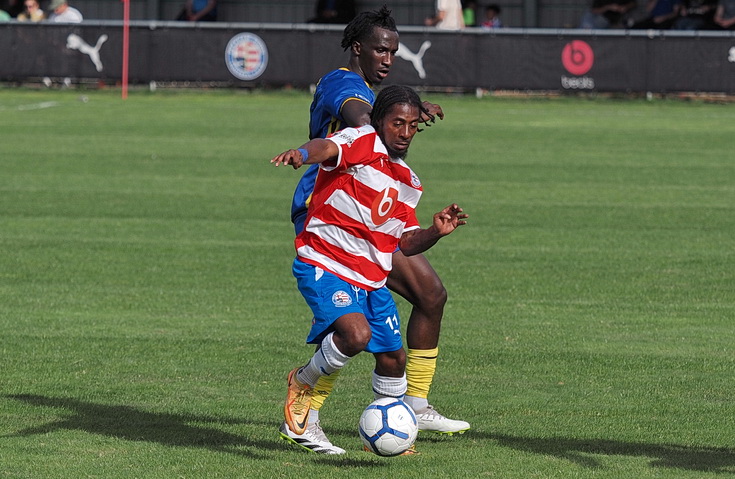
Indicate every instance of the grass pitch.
{"type": "Point", "coordinates": [148, 315]}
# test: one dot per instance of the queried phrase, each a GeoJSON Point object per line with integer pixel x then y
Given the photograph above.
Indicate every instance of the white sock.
{"type": "Point", "coordinates": [313, 416]}
{"type": "Point", "coordinates": [417, 404]}
{"type": "Point", "coordinates": [325, 361]}
{"type": "Point", "coordinates": [386, 387]}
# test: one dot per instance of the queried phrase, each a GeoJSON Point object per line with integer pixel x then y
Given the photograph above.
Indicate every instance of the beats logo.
{"type": "Point", "coordinates": [577, 57]}
{"type": "Point", "coordinates": [383, 206]}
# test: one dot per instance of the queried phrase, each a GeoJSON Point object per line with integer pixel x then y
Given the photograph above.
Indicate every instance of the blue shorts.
{"type": "Point", "coordinates": [331, 297]}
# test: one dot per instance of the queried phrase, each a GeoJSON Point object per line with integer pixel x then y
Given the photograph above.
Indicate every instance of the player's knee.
{"type": "Point", "coordinates": [358, 340]}
{"type": "Point", "coordinates": [432, 297]}
{"type": "Point", "coordinates": [352, 333]}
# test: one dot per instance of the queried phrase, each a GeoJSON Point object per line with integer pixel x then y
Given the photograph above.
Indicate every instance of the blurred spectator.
{"type": "Point", "coordinates": [492, 17]}
{"type": "Point", "coordinates": [63, 13]}
{"type": "Point", "coordinates": [696, 15]}
{"type": "Point", "coordinates": [12, 7]}
{"type": "Point", "coordinates": [725, 15]}
{"type": "Point", "coordinates": [4, 16]}
{"type": "Point", "coordinates": [199, 11]}
{"type": "Point", "coordinates": [607, 14]}
{"type": "Point", "coordinates": [469, 13]}
{"type": "Point", "coordinates": [334, 11]}
{"type": "Point", "coordinates": [32, 12]}
{"type": "Point", "coordinates": [448, 15]}
{"type": "Point", "coordinates": [661, 14]}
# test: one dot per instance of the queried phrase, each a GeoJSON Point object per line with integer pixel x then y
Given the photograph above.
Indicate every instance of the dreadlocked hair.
{"type": "Point", "coordinates": [394, 95]}
{"type": "Point", "coordinates": [363, 24]}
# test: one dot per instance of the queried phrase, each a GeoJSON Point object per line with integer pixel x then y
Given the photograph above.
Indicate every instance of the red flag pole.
{"type": "Point", "coordinates": [126, 47]}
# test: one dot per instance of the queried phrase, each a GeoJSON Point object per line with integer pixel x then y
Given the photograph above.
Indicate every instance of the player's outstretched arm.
{"type": "Point", "coordinates": [317, 150]}
{"type": "Point", "coordinates": [445, 222]}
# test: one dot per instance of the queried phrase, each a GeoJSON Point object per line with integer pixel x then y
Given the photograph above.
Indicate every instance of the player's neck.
{"type": "Point", "coordinates": [354, 67]}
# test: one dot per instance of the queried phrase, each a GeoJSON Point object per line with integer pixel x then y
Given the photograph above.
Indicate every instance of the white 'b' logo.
{"type": "Point", "coordinates": [383, 206]}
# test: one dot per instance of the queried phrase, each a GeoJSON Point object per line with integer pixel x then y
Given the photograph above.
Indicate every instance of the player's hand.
{"type": "Point", "coordinates": [432, 111]}
{"type": "Point", "coordinates": [449, 219]}
{"type": "Point", "coordinates": [289, 157]}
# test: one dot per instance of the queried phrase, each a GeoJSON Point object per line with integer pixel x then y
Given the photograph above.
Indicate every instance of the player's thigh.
{"type": "Point", "coordinates": [330, 299]}
{"type": "Point", "coordinates": [415, 279]}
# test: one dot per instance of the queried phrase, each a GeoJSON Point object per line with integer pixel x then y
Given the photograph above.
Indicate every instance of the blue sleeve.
{"type": "Point", "coordinates": [338, 90]}
{"type": "Point", "coordinates": [302, 197]}
{"type": "Point", "coordinates": [333, 90]}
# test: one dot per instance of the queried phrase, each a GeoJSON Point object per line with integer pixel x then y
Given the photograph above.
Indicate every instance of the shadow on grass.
{"type": "Point", "coordinates": [580, 451]}
{"type": "Point", "coordinates": [174, 430]}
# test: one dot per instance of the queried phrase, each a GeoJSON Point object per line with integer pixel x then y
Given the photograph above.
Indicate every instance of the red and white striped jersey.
{"type": "Point", "coordinates": [360, 208]}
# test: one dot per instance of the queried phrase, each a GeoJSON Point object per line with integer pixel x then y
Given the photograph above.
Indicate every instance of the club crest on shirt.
{"type": "Point", "coordinates": [415, 180]}
{"type": "Point", "coordinates": [341, 299]}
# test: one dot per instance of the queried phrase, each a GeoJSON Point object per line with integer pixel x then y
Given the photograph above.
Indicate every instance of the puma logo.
{"type": "Point", "coordinates": [75, 42]}
{"type": "Point", "coordinates": [417, 59]}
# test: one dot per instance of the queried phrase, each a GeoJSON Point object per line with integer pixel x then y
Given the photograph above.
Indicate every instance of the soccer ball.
{"type": "Point", "coordinates": [388, 427]}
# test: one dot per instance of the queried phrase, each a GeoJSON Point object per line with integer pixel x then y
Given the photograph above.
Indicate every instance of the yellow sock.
{"type": "Point", "coordinates": [322, 388]}
{"type": "Point", "coordinates": [420, 368]}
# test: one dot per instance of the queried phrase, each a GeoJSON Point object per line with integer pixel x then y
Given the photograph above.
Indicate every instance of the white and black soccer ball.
{"type": "Point", "coordinates": [388, 427]}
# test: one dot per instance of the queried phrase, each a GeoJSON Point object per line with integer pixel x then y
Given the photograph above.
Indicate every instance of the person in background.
{"type": "Point", "coordinates": [334, 11]}
{"type": "Point", "coordinates": [199, 11]}
{"type": "Point", "coordinates": [696, 15]}
{"type": "Point", "coordinates": [32, 12]}
{"type": "Point", "coordinates": [64, 13]}
{"type": "Point", "coordinates": [11, 7]}
{"type": "Point", "coordinates": [725, 15]}
{"type": "Point", "coordinates": [448, 15]}
{"type": "Point", "coordinates": [492, 17]}
{"type": "Point", "coordinates": [469, 12]}
{"type": "Point", "coordinates": [607, 14]}
{"type": "Point", "coordinates": [661, 14]}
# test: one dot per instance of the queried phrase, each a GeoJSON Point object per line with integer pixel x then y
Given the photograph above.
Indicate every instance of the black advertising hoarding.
{"type": "Point", "coordinates": [694, 64]}
{"type": "Point", "coordinates": [277, 55]}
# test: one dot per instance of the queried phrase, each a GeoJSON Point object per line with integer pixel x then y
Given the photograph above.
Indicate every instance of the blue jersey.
{"type": "Point", "coordinates": [199, 5]}
{"type": "Point", "coordinates": [332, 92]}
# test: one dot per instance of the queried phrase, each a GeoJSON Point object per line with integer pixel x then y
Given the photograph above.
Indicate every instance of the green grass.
{"type": "Point", "coordinates": [148, 315]}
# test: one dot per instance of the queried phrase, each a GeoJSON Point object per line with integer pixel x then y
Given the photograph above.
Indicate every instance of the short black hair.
{"type": "Point", "coordinates": [393, 95]}
{"type": "Point", "coordinates": [363, 24]}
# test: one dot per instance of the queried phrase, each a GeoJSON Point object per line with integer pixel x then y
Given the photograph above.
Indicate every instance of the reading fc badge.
{"type": "Point", "coordinates": [246, 56]}
{"type": "Point", "coordinates": [341, 299]}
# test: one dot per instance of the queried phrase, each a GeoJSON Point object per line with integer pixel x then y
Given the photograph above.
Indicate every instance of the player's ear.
{"type": "Point", "coordinates": [356, 48]}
